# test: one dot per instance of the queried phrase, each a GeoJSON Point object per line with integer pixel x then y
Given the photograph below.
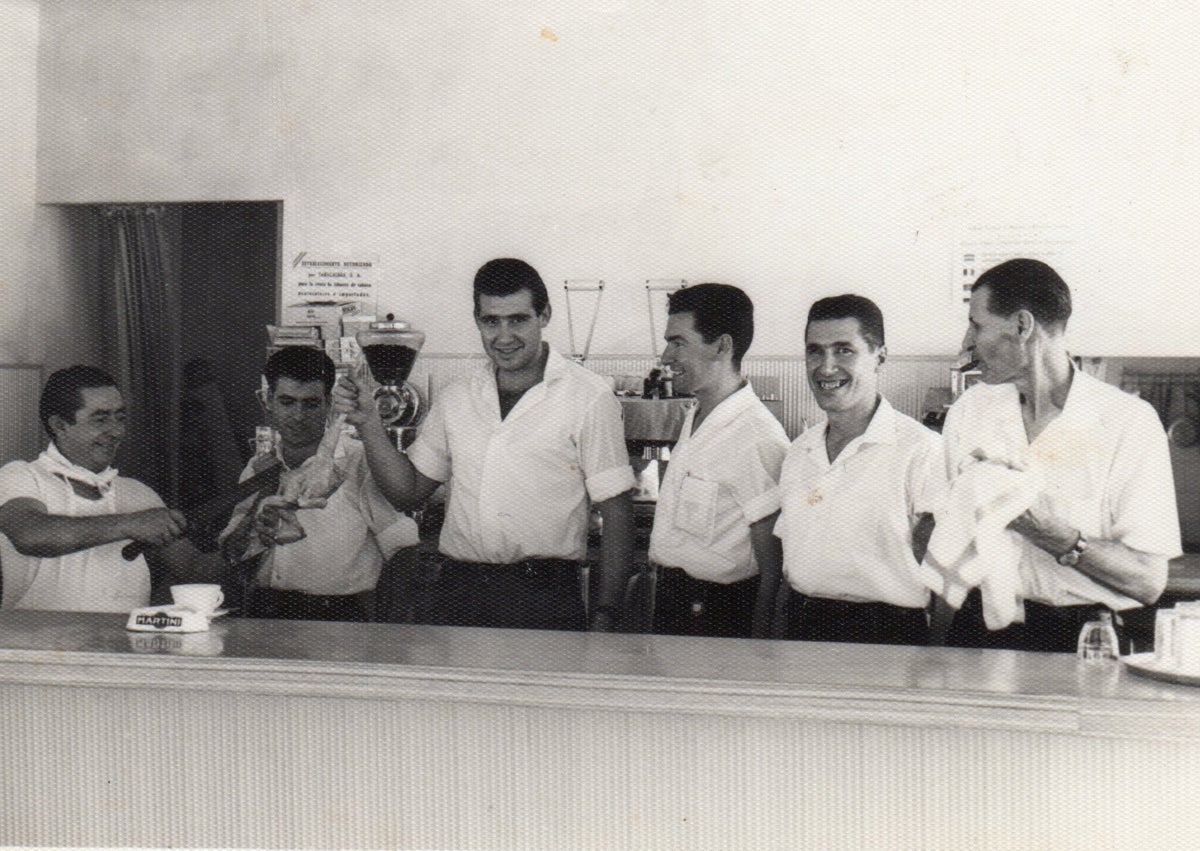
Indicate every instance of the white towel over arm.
{"type": "Point", "coordinates": [972, 545]}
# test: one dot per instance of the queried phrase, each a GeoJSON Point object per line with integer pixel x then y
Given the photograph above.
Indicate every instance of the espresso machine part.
{"type": "Point", "coordinates": [390, 348]}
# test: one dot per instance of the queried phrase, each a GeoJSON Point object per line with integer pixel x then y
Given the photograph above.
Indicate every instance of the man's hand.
{"type": "Point", "coordinates": [155, 527]}
{"type": "Point", "coordinates": [353, 395]}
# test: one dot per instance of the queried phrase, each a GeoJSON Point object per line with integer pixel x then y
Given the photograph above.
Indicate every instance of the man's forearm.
{"type": "Point", "coordinates": [1135, 574]}
{"type": "Point", "coordinates": [394, 474]}
{"type": "Point", "coordinates": [616, 547]}
{"type": "Point", "coordinates": [768, 555]}
{"type": "Point", "coordinates": [52, 535]}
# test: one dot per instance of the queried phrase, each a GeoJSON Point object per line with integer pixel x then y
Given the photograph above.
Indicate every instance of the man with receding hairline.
{"type": "Point", "coordinates": [65, 517]}
{"type": "Point", "coordinates": [1105, 523]}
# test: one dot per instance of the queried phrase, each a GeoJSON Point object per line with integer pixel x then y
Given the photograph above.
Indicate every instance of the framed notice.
{"type": "Point", "coordinates": [335, 277]}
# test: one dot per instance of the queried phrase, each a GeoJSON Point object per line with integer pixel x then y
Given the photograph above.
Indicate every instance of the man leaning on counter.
{"type": "Point", "coordinates": [65, 517]}
{"type": "Point", "coordinates": [718, 500]}
{"type": "Point", "coordinates": [525, 444]}
{"type": "Point", "coordinates": [325, 575]}
{"type": "Point", "coordinates": [1104, 523]}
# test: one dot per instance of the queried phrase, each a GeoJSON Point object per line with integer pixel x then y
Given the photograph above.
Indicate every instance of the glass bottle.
{"type": "Point", "coordinates": [1098, 640]}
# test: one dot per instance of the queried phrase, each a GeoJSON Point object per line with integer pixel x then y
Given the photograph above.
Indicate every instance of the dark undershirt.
{"type": "Point", "coordinates": [508, 400]}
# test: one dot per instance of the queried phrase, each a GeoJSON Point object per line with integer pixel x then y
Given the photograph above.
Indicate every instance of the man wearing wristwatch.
{"type": "Point", "coordinates": [1105, 523]}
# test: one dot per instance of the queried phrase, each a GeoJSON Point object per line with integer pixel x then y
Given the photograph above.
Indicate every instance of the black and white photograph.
{"type": "Point", "coordinates": [599, 424]}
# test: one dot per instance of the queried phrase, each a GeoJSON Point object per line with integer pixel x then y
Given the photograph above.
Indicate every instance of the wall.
{"type": "Point", "coordinates": [794, 148]}
{"type": "Point", "coordinates": [49, 304]}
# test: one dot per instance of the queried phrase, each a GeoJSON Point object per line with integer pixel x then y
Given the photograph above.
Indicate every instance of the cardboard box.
{"type": "Point", "coordinates": [320, 312]}
{"type": "Point", "coordinates": [326, 315]}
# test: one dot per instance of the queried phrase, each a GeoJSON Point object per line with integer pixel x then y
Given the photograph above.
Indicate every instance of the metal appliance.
{"type": "Point", "coordinates": [390, 348]}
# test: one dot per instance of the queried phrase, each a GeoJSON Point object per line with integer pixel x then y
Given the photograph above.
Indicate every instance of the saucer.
{"type": "Point", "coordinates": [1147, 666]}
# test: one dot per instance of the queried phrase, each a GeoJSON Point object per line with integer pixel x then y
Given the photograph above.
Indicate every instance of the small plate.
{"type": "Point", "coordinates": [1146, 665]}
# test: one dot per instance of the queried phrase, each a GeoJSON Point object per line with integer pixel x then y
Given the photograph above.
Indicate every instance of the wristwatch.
{"type": "Point", "coordinates": [1071, 557]}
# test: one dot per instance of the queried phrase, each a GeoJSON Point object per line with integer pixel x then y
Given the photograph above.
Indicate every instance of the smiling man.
{"type": "Point", "coordinates": [1105, 525]}
{"type": "Point", "coordinates": [527, 444]}
{"type": "Point", "coordinates": [326, 574]}
{"type": "Point", "coordinates": [857, 492]}
{"type": "Point", "coordinates": [66, 516]}
{"type": "Point", "coordinates": [719, 496]}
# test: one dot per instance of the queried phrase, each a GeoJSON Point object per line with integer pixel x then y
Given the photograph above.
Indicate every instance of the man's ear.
{"type": "Point", "coordinates": [725, 345]}
{"type": "Point", "coordinates": [1025, 324]}
{"type": "Point", "coordinates": [880, 353]}
{"type": "Point", "coordinates": [56, 423]}
{"type": "Point", "coordinates": [544, 316]}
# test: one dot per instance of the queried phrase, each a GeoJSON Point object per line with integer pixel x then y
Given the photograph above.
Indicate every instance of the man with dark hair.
{"type": "Point", "coordinates": [326, 574]}
{"type": "Point", "coordinates": [526, 443]}
{"type": "Point", "coordinates": [1104, 523]}
{"type": "Point", "coordinates": [719, 496]}
{"type": "Point", "coordinates": [857, 493]}
{"type": "Point", "coordinates": [65, 517]}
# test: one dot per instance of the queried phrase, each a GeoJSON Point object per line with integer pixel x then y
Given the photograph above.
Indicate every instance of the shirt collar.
{"type": "Point", "coordinates": [727, 409]}
{"type": "Point", "coordinates": [59, 465]}
{"type": "Point", "coordinates": [880, 430]}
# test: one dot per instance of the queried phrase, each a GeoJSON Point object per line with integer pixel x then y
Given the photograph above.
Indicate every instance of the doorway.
{"type": "Point", "coordinates": [229, 277]}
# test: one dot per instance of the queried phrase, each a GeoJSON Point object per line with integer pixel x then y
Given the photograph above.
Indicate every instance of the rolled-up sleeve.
{"type": "Point", "coordinates": [603, 456]}
{"type": "Point", "coordinates": [430, 451]}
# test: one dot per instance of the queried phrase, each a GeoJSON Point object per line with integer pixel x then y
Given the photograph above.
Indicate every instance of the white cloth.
{"type": "Point", "coordinates": [719, 481]}
{"type": "Point", "coordinates": [972, 545]}
{"type": "Point", "coordinates": [98, 579]}
{"type": "Point", "coordinates": [345, 543]}
{"type": "Point", "coordinates": [519, 487]}
{"type": "Point", "coordinates": [847, 526]}
{"type": "Point", "coordinates": [1106, 470]}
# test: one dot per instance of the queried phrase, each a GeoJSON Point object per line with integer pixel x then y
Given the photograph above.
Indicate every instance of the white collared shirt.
{"type": "Point", "coordinates": [846, 526]}
{"type": "Point", "coordinates": [98, 579]}
{"type": "Point", "coordinates": [1107, 469]}
{"type": "Point", "coordinates": [719, 481]}
{"type": "Point", "coordinates": [519, 487]}
{"type": "Point", "coordinates": [345, 543]}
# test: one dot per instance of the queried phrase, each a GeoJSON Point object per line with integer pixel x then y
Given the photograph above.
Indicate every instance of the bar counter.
{"type": "Point", "coordinates": [277, 733]}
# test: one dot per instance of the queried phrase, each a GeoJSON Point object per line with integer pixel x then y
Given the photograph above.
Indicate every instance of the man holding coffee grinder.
{"type": "Point", "coordinates": [527, 444]}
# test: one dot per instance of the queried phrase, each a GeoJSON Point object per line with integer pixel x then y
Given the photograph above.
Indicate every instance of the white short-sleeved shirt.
{"type": "Point", "coordinates": [719, 481]}
{"type": "Point", "coordinates": [519, 487]}
{"type": "Point", "coordinates": [847, 526]}
{"type": "Point", "coordinates": [98, 579]}
{"type": "Point", "coordinates": [1107, 470]}
{"type": "Point", "coordinates": [345, 543]}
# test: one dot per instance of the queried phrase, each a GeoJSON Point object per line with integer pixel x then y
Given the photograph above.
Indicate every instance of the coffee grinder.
{"type": "Point", "coordinates": [390, 348]}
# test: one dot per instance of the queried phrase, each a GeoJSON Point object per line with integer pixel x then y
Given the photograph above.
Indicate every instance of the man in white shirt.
{"type": "Point", "coordinates": [856, 493]}
{"type": "Point", "coordinates": [525, 444]}
{"type": "Point", "coordinates": [1105, 524]}
{"type": "Point", "coordinates": [65, 517]}
{"type": "Point", "coordinates": [326, 574]}
{"type": "Point", "coordinates": [719, 497]}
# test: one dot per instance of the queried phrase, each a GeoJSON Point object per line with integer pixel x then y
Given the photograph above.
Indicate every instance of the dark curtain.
{"type": "Point", "coordinates": [143, 243]}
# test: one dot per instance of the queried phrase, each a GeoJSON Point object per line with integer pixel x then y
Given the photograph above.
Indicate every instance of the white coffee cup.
{"type": "Point", "coordinates": [198, 596]}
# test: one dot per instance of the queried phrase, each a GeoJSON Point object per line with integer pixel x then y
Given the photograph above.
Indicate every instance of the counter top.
{"type": "Point", "coordinates": [892, 685]}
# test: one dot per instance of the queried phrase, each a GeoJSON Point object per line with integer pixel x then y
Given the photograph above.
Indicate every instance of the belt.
{"type": "Point", "coordinates": [534, 568]}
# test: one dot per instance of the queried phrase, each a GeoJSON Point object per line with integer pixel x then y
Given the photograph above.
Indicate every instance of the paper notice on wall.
{"type": "Point", "coordinates": [982, 247]}
{"type": "Point", "coordinates": [335, 277]}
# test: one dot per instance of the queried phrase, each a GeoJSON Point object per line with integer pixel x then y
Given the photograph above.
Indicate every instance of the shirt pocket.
{"type": "Point", "coordinates": [696, 510]}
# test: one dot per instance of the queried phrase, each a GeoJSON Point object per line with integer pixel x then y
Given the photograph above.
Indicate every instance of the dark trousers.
{"type": "Point", "coordinates": [298, 606]}
{"type": "Point", "coordinates": [1047, 629]}
{"type": "Point", "coordinates": [823, 619]}
{"type": "Point", "coordinates": [684, 605]}
{"type": "Point", "coordinates": [539, 593]}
